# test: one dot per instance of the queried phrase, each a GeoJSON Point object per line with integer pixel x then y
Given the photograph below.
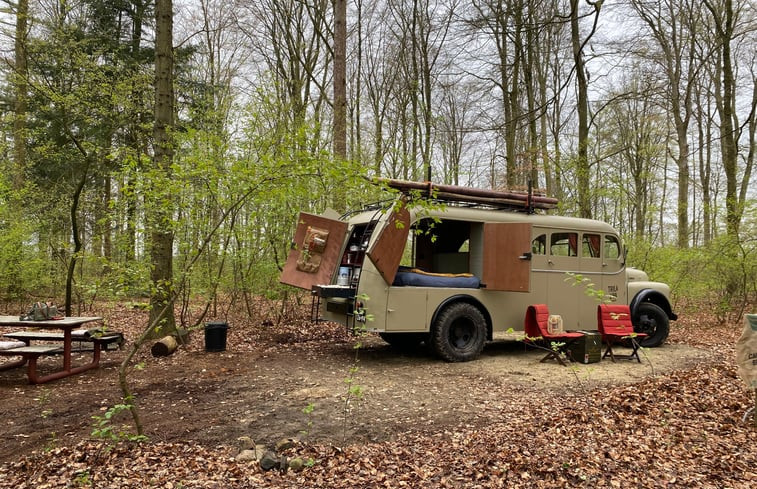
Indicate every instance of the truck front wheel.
{"type": "Point", "coordinates": [653, 321]}
{"type": "Point", "coordinates": [459, 332]}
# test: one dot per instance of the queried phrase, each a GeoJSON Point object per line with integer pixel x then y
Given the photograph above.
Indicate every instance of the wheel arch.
{"type": "Point", "coordinates": [656, 298]}
{"type": "Point", "coordinates": [467, 299]}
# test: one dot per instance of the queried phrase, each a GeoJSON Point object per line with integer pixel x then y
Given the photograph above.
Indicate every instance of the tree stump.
{"type": "Point", "coordinates": [182, 336]}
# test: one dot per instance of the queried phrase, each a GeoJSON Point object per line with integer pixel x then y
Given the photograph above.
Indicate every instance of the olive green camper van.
{"type": "Point", "coordinates": [454, 275]}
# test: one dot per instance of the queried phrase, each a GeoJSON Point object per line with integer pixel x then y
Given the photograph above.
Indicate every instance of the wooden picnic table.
{"type": "Point", "coordinates": [30, 353]}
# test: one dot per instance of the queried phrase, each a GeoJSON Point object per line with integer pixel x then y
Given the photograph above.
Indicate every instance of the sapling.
{"type": "Point", "coordinates": [355, 391]}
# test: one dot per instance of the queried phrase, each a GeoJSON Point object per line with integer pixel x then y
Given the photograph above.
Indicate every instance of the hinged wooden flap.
{"type": "Point", "coordinates": [507, 253]}
{"type": "Point", "coordinates": [386, 251]}
{"type": "Point", "coordinates": [315, 254]}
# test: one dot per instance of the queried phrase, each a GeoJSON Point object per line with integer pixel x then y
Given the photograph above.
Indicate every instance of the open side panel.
{"type": "Point", "coordinates": [314, 257]}
{"type": "Point", "coordinates": [386, 252]}
{"type": "Point", "coordinates": [506, 261]}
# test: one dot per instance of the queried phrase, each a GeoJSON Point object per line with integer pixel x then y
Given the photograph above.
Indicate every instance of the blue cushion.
{"type": "Point", "coordinates": [423, 280]}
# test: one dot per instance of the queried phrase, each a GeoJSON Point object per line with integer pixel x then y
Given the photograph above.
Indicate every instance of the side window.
{"type": "Point", "coordinates": [590, 246]}
{"type": "Point", "coordinates": [564, 244]}
{"type": "Point", "coordinates": [539, 245]}
{"type": "Point", "coordinates": [612, 247]}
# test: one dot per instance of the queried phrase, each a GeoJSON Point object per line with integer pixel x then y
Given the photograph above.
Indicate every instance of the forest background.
{"type": "Point", "coordinates": [639, 113]}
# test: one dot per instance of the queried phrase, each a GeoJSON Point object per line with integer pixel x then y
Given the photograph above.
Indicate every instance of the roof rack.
{"type": "Point", "coordinates": [499, 199]}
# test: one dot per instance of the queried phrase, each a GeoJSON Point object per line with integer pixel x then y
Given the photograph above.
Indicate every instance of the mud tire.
{"type": "Point", "coordinates": [653, 321]}
{"type": "Point", "coordinates": [459, 333]}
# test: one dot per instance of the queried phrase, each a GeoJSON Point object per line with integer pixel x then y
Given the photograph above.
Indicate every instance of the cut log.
{"type": "Point", "coordinates": [164, 347]}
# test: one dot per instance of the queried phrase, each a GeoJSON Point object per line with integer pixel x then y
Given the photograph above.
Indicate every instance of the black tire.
{"type": "Point", "coordinates": [459, 332]}
{"type": "Point", "coordinates": [653, 321]}
{"type": "Point", "coordinates": [404, 341]}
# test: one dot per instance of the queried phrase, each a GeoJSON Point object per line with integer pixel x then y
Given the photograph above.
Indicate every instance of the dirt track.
{"type": "Point", "coordinates": [261, 391]}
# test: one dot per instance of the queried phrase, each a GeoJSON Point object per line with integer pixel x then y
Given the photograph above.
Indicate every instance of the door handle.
{"type": "Point", "coordinates": [525, 256]}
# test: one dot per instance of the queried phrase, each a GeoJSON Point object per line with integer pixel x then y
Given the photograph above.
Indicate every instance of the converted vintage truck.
{"type": "Point", "coordinates": [453, 275]}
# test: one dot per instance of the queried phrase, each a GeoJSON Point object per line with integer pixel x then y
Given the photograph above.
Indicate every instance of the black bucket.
{"type": "Point", "coordinates": [215, 336]}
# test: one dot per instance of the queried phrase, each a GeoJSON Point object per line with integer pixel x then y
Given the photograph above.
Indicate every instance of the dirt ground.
{"type": "Point", "coordinates": [262, 383]}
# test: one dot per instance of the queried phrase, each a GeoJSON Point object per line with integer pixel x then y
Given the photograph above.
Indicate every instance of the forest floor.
{"type": "Point", "coordinates": [383, 418]}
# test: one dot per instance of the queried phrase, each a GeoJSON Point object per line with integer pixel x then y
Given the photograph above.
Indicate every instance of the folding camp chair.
{"type": "Point", "coordinates": [536, 327]}
{"type": "Point", "coordinates": [614, 323]}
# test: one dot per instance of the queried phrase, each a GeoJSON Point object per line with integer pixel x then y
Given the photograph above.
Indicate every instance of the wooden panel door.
{"type": "Point", "coordinates": [386, 251]}
{"type": "Point", "coordinates": [318, 242]}
{"type": "Point", "coordinates": [507, 257]}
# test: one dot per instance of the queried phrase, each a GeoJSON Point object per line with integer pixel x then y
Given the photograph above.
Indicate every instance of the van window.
{"type": "Point", "coordinates": [564, 244]}
{"type": "Point", "coordinates": [612, 247]}
{"type": "Point", "coordinates": [539, 245]}
{"type": "Point", "coordinates": [590, 245]}
{"type": "Point", "coordinates": [439, 246]}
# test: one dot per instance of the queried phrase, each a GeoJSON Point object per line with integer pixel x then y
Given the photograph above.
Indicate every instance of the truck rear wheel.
{"type": "Point", "coordinates": [459, 332]}
{"type": "Point", "coordinates": [653, 321]}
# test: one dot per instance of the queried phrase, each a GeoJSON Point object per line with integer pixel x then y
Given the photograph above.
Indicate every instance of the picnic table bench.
{"type": "Point", "coordinates": [107, 340]}
{"type": "Point", "coordinates": [20, 345]}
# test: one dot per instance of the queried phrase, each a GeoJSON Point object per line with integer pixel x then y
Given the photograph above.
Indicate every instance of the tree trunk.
{"type": "Point", "coordinates": [726, 98]}
{"type": "Point", "coordinates": [705, 165]}
{"type": "Point", "coordinates": [75, 232]}
{"type": "Point", "coordinates": [20, 87]}
{"type": "Point", "coordinates": [582, 163]}
{"type": "Point", "coordinates": [356, 141]}
{"type": "Point", "coordinates": [161, 252]}
{"type": "Point", "coordinates": [134, 133]}
{"type": "Point", "coordinates": [20, 83]}
{"type": "Point", "coordinates": [425, 58]}
{"type": "Point", "coordinates": [340, 79]}
{"type": "Point", "coordinates": [107, 227]}
{"type": "Point", "coordinates": [728, 135]}
{"type": "Point", "coordinates": [531, 75]}
{"type": "Point", "coordinates": [673, 27]}
{"type": "Point", "coordinates": [682, 162]}
{"type": "Point", "coordinates": [514, 102]}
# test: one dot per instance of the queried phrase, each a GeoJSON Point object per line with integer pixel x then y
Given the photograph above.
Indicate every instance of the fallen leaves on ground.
{"type": "Point", "coordinates": [680, 429]}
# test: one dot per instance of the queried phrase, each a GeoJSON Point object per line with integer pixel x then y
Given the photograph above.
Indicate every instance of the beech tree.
{"type": "Point", "coordinates": [340, 79]}
{"type": "Point", "coordinates": [582, 102]}
{"type": "Point", "coordinates": [474, 92]}
{"type": "Point", "coordinates": [674, 26]}
{"type": "Point", "coordinates": [529, 42]}
{"type": "Point", "coordinates": [635, 138]}
{"type": "Point", "coordinates": [725, 19]}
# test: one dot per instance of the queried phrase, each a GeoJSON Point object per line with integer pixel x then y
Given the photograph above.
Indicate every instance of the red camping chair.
{"type": "Point", "coordinates": [614, 323]}
{"type": "Point", "coordinates": [537, 317]}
